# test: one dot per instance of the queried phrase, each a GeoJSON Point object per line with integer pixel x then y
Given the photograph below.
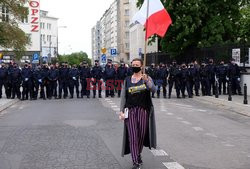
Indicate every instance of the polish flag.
{"type": "Point", "coordinates": [158, 19]}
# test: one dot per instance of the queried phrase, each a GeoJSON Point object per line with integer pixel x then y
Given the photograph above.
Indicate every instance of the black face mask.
{"type": "Point", "coordinates": [136, 69]}
{"type": "Point", "coordinates": [96, 64]}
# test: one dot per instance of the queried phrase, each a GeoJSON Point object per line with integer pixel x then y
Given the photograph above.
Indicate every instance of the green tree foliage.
{"type": "Point", "coordinates": [75, 58]}
{"type": "Point", "coordinates": [11, 36]}
{"type": "Point", "coordinates": [244, 30]}
{"type": "Point", "coordinates": [201, 23]}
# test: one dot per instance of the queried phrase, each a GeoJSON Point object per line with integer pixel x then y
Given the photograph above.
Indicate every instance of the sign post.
{"type": "Point", "coordinates": [236, 56]}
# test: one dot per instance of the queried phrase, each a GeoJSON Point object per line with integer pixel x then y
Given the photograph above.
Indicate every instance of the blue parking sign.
{"type": "Point", "coordinates": [35, 58]}
{"type": "Point", "coordinates": [113, 52]}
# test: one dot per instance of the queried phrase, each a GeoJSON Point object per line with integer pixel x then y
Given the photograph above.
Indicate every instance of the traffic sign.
{"type": "Point", "coordinates": [104, 58]}
{"type": "Point", "coordinates": [35, 58]}
{"type": "Point", "coordinates": [104, 50]}
{"type": "Point", "coordinates": [113, 52]}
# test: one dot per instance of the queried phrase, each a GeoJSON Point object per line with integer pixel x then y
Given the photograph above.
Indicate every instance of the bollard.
{"type": "Point", "coordinates": [229, 91]}
{"type": "Point", "coordinates": [216, 90]}
{"type": "Point", "coordinates": [245, 94]}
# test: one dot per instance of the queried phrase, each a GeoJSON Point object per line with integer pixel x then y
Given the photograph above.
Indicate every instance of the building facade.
{"type": "Point", "coordinates": [112, 32]}
{"type": "Point", "coordinates": [32, 26]}
{"type": "Point", "coordinates": [49, 36]}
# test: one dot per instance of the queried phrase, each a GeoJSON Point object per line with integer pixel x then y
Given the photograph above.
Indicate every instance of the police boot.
{"type": "Point", "coordinates": [100, 96]}
{"type": "Point", "coordinates": [94, 96]}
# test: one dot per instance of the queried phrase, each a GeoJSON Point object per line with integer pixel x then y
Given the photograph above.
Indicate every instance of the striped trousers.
{"type": "Point", "coordinates": [137, 125]}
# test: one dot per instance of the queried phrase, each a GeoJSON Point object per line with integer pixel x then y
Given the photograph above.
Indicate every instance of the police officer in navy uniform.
{"type": "Point", "coordinates": [85, 79]}
{"type": "Point", "coordinates": [174, 79]}
{"type": "Point", "coordinates": [193, 79]}
{"type": "Point", "coordinates": [74, 81]}
{"type": "Point", "coordinates": [16, 80]}
{"type": "Point", "coordinates": [233, 74]}
{"type": "Point", "coordinates": [185, 83]}
{"type": "Point", "coordinates": [204, 79]}
{"type": "Point", "coordinates": [63, 80]}
{"type": "Point", "coordinates": [221, 75]}
{"type": "Point", "coordinates": [161, 78]}
{"type": "Point", "coordinates": [96, 74]}
{"type": "Point", "coordinates": [26, 74]}
{"type": "Point", "coordinates": [9, 84]}
{"type": "Point", "coordinates": [109, 78]}
{"type": "Point", "coordinates": [211, 70]}
{"type": "Point", "coordinates": [53, 77]}
{"type": "Point", "coordinates": [121, 75]}
{"type": "Point", "coordinates": [3, 78]}
{"type": "Point", "coordinates": [151, 71]}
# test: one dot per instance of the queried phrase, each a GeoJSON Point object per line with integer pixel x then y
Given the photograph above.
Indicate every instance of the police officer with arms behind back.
{"type": "Point", "coordinates": [74, 81]}
{"type": "Point", "coordinates": [109, 77]}
{"type": "Point", "coordinates": [96, 74]}
{"type": "Point", "coordinates": [85, 77]}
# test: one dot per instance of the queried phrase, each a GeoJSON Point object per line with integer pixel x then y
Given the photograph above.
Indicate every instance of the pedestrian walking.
{"type": "Point", "coordinates": [139, 123]}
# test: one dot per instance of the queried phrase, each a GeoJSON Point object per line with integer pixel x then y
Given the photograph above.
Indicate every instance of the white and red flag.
{"type": "Point", "coordinates": [154, 17]}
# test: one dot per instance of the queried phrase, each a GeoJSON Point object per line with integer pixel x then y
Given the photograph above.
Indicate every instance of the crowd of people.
{"type": "Point", "coordinates": [62, 80]}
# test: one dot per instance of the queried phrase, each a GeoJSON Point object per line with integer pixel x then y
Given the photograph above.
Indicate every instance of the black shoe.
{"type": "Point", "coordinates": [112, 96]}
{"type": "Point", "coordinates": [140, 162]}
{"type": "Point", "coordinates": [94, 96]}
{"type": "Point", "coordinates": [100, 96]}
{"type": "Point", "coordinates": [88, 97]}
{"type": "Point", "coordinates": [136, 166]}
{"type": "Point", "coordinates": [165, 97]}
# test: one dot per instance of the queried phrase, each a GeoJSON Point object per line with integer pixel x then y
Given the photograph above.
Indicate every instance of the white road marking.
{"type": "Point", "coordinates": [202, 110]}
{"type": "Point", "coordinates": [211, 135]}
{"type": "Point", "coordinates": [114, 106]}
{"type": "Point", "coordinates": [184, 105]}
{"type": "Point", "coordinates": [159, 153]}
{"type": "Point", "coordinates": [229, 145]}
{"type": "Point", "coordinates": [173, 165]}
{"type": "Point", "coordinates": [116, 109]}
{"type": "Point", "coordinates": [111, 103]}
{"type": "Point", "coordinates": [186, 122]}
{"type": "Point", "coordinates": [170, 114]}
{"type": "Point", "coordinates": [198, 129]}
{"type": "Point", "coordinates": [107, 99]}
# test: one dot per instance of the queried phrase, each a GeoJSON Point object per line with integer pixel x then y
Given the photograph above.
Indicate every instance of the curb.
{"type": "Point", "coordinates": [9, 104]}
{"type": "Point", "coordinates": [226, 105]}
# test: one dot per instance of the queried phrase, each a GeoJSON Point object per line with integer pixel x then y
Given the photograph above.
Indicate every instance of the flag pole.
{"type": "Point", "coordinates": [146, 40]}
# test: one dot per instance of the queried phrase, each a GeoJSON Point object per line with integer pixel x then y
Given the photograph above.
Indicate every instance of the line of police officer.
{"type": "Point", "coordinates": [195, 78]}
{"type": "Point", "coordinates": [62, 79]}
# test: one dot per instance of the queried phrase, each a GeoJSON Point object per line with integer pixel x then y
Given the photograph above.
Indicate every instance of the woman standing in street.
{"type": "Point", "coordinates": [137, 112]}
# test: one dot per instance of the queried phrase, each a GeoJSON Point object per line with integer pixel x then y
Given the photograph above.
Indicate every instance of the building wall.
{"type": "Point", "coordinates": [35, 30]}
{"type": "Point", "coordinates": [49, 35]}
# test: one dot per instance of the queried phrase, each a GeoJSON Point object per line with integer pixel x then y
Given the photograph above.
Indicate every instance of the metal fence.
{"type": "Point", "coordinates": [217, 53]}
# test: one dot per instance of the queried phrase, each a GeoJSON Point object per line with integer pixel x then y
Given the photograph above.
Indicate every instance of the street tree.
{"type": "Point", "coordinates": [11, 36]}
{"type": "Point", "coordinates": [74, 58]}
{"type": "Point", "coordinates": [201, 23]}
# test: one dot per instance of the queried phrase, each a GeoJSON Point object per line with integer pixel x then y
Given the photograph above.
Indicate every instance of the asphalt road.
{"type": "Point", "coordinates": [86, 134]}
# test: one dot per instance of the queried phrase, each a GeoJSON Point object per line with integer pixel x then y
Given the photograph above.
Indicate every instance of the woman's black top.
{"type": "Point", "coordinates": [137, 94]}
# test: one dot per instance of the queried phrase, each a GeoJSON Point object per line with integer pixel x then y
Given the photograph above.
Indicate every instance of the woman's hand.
{"type": "Point", "coordinates": [145, 77]}
{"type": "Point", "coordinates": [122, 116]}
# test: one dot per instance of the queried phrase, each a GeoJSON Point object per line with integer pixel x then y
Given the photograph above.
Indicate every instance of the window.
{"type": "Point", "coordinates": [24, 19]}
{"type": "Point", "coordinates": [127, 35]}
{"type": "Point", "coordinates": [127, 45]}
{"type": "Point", "coordinates": [126, 23]}
{"type": "Point", "coordinates": [127, 12]}
{"type": "Point", "coordinates": [48, 26]}
{"type": "Point", "coordinates": [49, 38]}
{"type": "Point", "coordinates": [5, 14]}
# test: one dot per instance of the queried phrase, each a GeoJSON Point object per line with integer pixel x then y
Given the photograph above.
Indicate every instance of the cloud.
{"type": "Point", "coordinates": [79, 16]}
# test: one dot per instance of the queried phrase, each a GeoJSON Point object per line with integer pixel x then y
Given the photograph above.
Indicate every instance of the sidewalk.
{"type": "Point", "coordinates": [236, 105]}
{"type": "Point", "coordinates": [6, 103]}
